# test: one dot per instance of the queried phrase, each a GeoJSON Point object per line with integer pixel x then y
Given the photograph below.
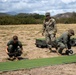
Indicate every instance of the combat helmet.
{"type": "Point", "coordinates": [47, 14]}
{"type": "Point", "coordinates": [71, 32]}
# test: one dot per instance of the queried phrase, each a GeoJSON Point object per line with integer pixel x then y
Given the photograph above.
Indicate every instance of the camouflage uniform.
{"type": "Point", "coordinates": [14, 49]}
{"type": "Point", "coordinates": [64, 41]}
{"type": "Point", "coordinates": [49, 27]}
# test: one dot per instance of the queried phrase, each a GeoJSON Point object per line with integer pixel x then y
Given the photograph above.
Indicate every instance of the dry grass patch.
{"type": "Point", "coordinates": [27, 35]}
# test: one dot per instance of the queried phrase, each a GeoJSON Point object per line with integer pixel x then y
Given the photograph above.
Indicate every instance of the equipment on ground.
{"type": "Point", "coordinates": [41, 43]}
{"type": "Point", "coordinates": [69, 52]}
{"type": "Point", "coordinates": [73, 42]}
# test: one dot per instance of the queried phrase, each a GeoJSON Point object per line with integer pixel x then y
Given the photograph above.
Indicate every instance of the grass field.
{"type": "Point", "coordinates": [27, 35]}
{"type": "Point", "coordinates": [34, 63]}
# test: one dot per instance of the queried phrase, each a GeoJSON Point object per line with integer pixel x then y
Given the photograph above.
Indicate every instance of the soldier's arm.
{"type": "Point", "coordinates": [22, 49]}
{"type": "Point", "coordinates": [53, 23]}
{"type": "Point", "coordinates": [20, 44]}
{"type": "Point", "coordinates": [7, 47]}
{"type": "Point", "coordinates": [55, 27]}
{"type": "Point", "coordinates": [68, 44]}
{"type": "Point", "coordinates": [7, 50]}
{"type": "Point", "coordinates": [44, 26]}
{"type": "Point", "coordinates": [65, 41]}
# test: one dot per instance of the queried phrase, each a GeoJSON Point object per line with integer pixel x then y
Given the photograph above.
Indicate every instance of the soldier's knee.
{"type": "Point", "coordinates": [19, 53]}
{"type": "Point", "coordinates": [18, 48]}
{"type": "Point", "coordinates": [62, 46]}
{"type": "Point", "coordinates": [10, 47]}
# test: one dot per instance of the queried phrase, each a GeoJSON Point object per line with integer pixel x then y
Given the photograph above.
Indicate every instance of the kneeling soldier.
{"type": "Point", "coordinates": [14, 48]}
{"type": "Point", "coordinates": [64, 40]}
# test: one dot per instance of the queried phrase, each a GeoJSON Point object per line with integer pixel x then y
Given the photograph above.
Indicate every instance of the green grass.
{"type": "Point", "coordinates": [34, 63]}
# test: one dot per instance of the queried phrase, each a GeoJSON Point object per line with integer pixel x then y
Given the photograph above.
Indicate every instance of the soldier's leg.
{"type": "Point", "coordinates": [69, 46]}
{"type": "Point", "coordinates": [53, 38]}
{"type": "Point", "coordinates": [18, 52]}
{"type": "Point", "coordinates": [10, 50]}
{"type": "Point", "coordinates": [61, 47]}
{"type": "Point", "coordinates": [48, 41]}
{"type": "Point", "coordinates": [53, 41]}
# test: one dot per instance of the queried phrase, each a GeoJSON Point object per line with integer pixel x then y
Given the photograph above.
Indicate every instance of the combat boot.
{"type": "Point", "coordinates": [11, 58]}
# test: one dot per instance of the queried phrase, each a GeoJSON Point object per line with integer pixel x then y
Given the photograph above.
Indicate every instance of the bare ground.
{"type": "Point", "coordinates": [27, 35]}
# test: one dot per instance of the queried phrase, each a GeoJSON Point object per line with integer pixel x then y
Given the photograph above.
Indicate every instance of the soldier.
{"type": "Point", "coordinates": [50, 29]}
{"type": "Point", "coordinates": [64, 40]}
{"type": "Point", "coordinates": [14, 48]}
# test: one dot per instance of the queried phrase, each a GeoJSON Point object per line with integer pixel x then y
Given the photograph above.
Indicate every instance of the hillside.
{"type": "Point", "coordinates": [4, 14]}
{"type": "Point", "coordinates": [64, 15]}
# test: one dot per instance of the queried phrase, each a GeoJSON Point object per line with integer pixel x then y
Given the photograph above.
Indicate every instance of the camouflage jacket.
{"type": "Point", "coordinates": [49, 26]}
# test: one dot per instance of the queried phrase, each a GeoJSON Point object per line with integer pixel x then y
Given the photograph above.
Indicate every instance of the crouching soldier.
{"type": "Point", "coordinates": [14, 48]}
{"type": "Point", "coordinates": [64, 40]}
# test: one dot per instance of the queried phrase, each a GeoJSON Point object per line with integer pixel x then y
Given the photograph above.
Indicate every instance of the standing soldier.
{"type": "Point", "coordinates": [14, 48]}
{"type": "Point", "coordinates": [50, 29]}
{"type": "Point", "coordinates": [64, 40]}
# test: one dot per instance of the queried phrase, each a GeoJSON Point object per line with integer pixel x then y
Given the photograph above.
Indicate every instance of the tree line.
{"type": "Point", "coordinates": [32, 19]}
{"type": "Point", "coordinates": [21, 19]}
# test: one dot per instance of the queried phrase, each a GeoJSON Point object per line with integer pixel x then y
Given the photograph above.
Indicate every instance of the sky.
{"type": "Point", "coordinates": [38, 6]}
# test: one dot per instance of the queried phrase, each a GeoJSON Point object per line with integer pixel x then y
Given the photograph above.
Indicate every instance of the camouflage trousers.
{"type": "Point", "coordinates": [50, 38]}
{"type": "Point", "coordinates": [61, 46]}
{"type": "Point", "coordinates": [14, 51]}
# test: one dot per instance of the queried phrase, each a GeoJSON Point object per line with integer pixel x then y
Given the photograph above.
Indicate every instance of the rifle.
{"type": "Point", "coordinates": [39, 32]}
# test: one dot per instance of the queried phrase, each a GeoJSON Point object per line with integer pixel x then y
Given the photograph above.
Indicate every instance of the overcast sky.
{"type": "Point", "coordinates": [38, 6]}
